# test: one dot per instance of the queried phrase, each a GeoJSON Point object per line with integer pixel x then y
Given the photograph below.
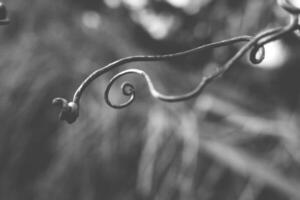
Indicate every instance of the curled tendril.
{"type": "Point", "coordinates": [255, 45]}
{"type": "Point", "coordinates": [129, 90]}
{"type": "Point", "coordinates": [257, 54]}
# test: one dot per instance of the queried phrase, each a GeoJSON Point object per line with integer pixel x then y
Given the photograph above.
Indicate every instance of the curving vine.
{"type": "Point", "coordinates": [253, 44]}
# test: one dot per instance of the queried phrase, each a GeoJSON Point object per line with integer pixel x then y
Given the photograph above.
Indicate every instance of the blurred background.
{"type": "Point", "coordinates": [238, 140]}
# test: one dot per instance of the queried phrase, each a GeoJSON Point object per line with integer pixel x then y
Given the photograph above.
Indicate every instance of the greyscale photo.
{"type": "Point", "coordinates": [150, 100]}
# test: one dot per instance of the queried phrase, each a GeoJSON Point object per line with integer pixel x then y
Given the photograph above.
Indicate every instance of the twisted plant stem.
{"type": "Point", "coordinates": [143, 58]}
{"type": "Point", "coordinates": [129, 90]}
{"type": "Point", "coordinates": [70, 110]}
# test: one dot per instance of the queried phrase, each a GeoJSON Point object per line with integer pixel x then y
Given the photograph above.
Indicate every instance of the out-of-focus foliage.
{"type": "Point", "coordinates": [239, 140]}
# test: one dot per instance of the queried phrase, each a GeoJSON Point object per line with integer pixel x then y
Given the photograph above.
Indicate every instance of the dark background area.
{"type": "Point", "coordinates": [238, 140]}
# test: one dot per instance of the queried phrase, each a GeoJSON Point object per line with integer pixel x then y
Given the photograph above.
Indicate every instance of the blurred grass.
{"type": "Point", "coordinates": [217, 146]}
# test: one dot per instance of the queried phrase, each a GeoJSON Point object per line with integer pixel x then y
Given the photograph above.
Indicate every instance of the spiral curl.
{"type": "Point", "coordinates": [153, 91]}
{"type": "Point", "coordinates": [254, 45]}
{"type": "Point", "coordinates": [127, 88]}
{"type": "Point", "coordinates": [257, 55]}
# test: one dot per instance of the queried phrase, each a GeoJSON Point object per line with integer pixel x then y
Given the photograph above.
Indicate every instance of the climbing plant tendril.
{"type": "Point", "coordinates": [253, 44]}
